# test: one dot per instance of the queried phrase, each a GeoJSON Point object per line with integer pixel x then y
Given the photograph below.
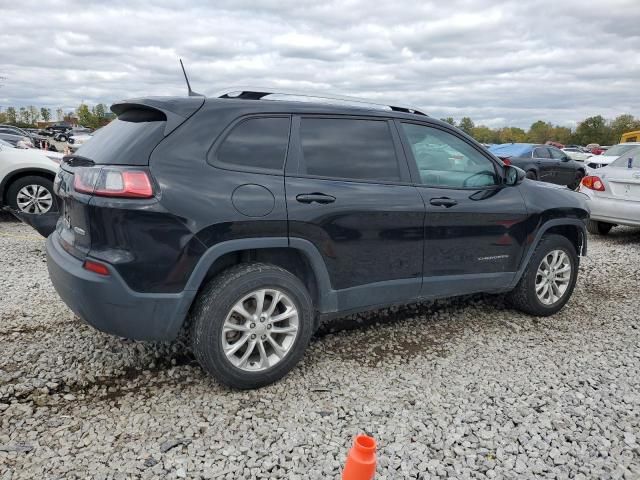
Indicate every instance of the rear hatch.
{"type": "Point", "coordinates": [114, 164]}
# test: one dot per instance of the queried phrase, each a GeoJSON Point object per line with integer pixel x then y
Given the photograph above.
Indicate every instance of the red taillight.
{"type": "Point", "coordinates": [505, 160]}
{"type": "Point", "coordinates": [113, 182]}
{"type": "Point", "coordinates": [593, 182]}
{"type": "Point", "coordinates": [95, 267]}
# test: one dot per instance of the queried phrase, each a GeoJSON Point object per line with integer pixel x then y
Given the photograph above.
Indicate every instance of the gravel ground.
{"type": "Point", "coordinates": [464, 389]}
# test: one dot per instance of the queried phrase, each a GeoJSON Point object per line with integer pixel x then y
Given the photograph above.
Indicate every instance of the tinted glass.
{"type": "Point", "coordinates": [511, 150]}
{"type": "Point", "coordinates": [624, 161]}
{"type": "Point", "coordinates": [256, 143]}
{"type": "Point", "coordinates": [348, 148]}
{"type": "Point", "coordinates": [618, 150]}
{"type": "Point", "coordinates": [541, 153]}
{"type": "Point", "coordinates": [446, 160]}
{"type": "Point", "coordinates": [557, 154]}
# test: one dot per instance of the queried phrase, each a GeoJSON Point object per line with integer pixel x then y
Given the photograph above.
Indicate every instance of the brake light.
{"type": "Point", "coordinates": [96, 267]}
{"type": "Point", "coordinates": [113, 182]}
{"type": "Point", "coordinates": [593, 182]}
{"type": "Point", "coordinates": [505, 160]}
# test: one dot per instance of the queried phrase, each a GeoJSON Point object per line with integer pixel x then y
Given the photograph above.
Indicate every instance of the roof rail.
{"type": "Point", "coordinates": [253, 93]}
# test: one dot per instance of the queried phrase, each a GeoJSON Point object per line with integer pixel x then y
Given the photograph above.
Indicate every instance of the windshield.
{"type": "Point", "coordinates": [618, 150]}
{"type": "Point", "coordinates": [511, 149]}
{"type": "Point", "coordinates": [623, 162]}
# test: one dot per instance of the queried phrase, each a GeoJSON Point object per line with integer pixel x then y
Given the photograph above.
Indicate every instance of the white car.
{"type": "Point", "coordinates": [26, 179]}
{"type": "Point", "coordinates": [576, 154]}
{"type": "Point", "coordinates": [614, 193]}
{"type": "Point", "coordinates": [598, 161]}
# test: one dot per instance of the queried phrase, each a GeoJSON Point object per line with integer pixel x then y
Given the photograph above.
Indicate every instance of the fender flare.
{"type": "Point", "coordinates": [41, 172]}
{"type": "Point", "coordinates": [541, 231]}
{"type": "Point", "coordinates": [327, 297]}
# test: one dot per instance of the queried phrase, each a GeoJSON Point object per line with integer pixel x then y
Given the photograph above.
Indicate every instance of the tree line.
{"type": "Point", "coordinates": [594, 129]}
{"type": "Point", "coordinates": [27, 117]}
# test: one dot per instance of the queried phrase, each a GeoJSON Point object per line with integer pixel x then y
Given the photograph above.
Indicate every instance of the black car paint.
{"type": "Point", "coordinates": [559, 171]}
{"type": "Point", "coordinates": [376, 244]}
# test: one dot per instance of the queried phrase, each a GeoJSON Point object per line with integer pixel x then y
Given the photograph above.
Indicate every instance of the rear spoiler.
{"type": "Point", "coordinates": [176, 109]}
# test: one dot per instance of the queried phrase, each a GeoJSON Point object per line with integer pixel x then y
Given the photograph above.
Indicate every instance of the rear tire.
{"type": "Point", "coordinates": [599, 228]}
{"type": "Point", "coordinates": [530, 295]}
{"type": "Point", "coordinates": [232, 300]}
{"type": "Point", "coordinates": [39, 189]}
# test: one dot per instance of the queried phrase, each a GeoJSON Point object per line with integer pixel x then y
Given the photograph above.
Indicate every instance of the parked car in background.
{"type": "Point", "coordinates": [542, 162]}
{"type": "Point", "coordinates": [79, 139]}
{"type": "Point", "coordinates": [614, 193]}
{"type": "Point", "coordinates": [576, 154]}
{"type": "Point", "coordinates": [179, 213]}
{"type": "Point", "coordinates": [26, 179]}
{"type": "Point", "coordinates": [16, 136]}
{"type": "Point", "coordinates": [611, 154]}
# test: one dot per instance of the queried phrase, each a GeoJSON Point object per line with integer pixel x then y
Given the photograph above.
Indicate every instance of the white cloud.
{"type": "Point", "coordinates": [497, 62]}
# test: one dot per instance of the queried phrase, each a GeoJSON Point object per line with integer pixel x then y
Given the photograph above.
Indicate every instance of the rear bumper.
{"type": "Point", "coordinates": [108, 304]}
{"type": "Point", "coordinates": [623, 212]}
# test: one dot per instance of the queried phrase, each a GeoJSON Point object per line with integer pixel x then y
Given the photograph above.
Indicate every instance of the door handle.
{"type": "Point", "coordinates": [443, 202]}
{"type": "Point", "coordinates": [315, 197]}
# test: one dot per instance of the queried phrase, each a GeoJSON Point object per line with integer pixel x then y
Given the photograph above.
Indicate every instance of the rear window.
{"type": "Point", "coordinates": [618, 150]}
{"type": "Point", "coordinates": [511, 150]}
{"type": "Point", "coordinates": [128, 140]}
{"type": "Point", "coordinates": [349, 149]}
{"type": "Point", "coordinates": [631, 159]}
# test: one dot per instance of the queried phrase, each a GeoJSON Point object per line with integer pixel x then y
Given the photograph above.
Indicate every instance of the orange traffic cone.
{"type": "Point", "coordinates": [361, 460]}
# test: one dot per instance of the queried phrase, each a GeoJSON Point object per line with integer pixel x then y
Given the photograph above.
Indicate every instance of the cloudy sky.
{"type": "Point", "coordinates": [497, 62]}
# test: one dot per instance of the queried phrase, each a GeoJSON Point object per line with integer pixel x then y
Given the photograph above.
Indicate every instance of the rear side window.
{"type": "Point", "coordinates": [556, 154]}
{"type": "Point", "coordinates": [348, 148]}
{"type": "Point", "coordinates": [256, 143]}
{"type": "Point", "coordinates": [541, 152]}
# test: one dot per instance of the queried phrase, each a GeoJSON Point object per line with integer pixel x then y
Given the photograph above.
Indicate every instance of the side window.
{"type": "Point", "coordinates": [348, 148]}
{"type": "Point", "coordinates": [256, 143]}
{"type": "Point", "coordinates": [541, 152]}
{"type": "Point", "coordinates": [556, 154]}
{"type": "Point", "coordinates": [445, 160]}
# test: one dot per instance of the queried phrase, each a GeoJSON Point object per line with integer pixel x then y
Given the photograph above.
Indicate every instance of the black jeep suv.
{"type": "Point", "coordinates": [245, 220]}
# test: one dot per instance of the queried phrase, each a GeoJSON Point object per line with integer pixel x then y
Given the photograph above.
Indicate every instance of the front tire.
{"type": "Point", "coordinates": [598, 228]}
{"type": "Point", "coordinates": [549, 279]}
{"type": "Point", "coordinates": [531, 175]}
{"type": "Point", "coordinates": [251, 325]}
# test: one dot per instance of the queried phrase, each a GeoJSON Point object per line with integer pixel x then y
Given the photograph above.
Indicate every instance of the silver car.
{"type": "Point", "coordinates": [614, 193]}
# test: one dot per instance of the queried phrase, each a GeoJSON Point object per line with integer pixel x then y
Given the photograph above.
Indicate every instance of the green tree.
{"type": "Point", "coordinates": [512, 135]}
{"type": "Point", "coordinates": [449, 120]}
{"type": "Point", "coordinates": [466, 125]}
{"type": "Point", "coordinates": [622, 124]}
{"type": "Point", "coordinates": [484, 134]}
{"type": "Point", "coordinates": [85, 117]}
{"type": "Point", "coordinates": [99, 111]}
{"type": "Point", "coordinates": [34, 115]}
{"type": "Point", "coordinates": [45, 113]}
{"type": "Point", "coordinates": [3, 117]}
{"type": "Point", "coordinates": [23, 116]}
{"type": "Point", "coordinates": [560, 134]}
{"type": "Point", "coordinates": [539, 132]}
{"type": "Point", "coordinates": [12, 116]}
{"type": "Point", "coordinates": [593, 130]}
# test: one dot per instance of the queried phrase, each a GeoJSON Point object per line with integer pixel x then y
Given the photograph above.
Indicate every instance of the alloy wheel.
{"type": "Point", "coordinates": [553, 277]}
{"type": "Point", "coordinates": [34, 199]}
{"type": "Point", "coordinates": [260, 330]}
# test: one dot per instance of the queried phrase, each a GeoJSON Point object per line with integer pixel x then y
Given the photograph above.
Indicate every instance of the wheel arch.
{"type": "Point", "coordinates": [298, 256]}
{"type": "Point", "coordinates": [20, 173]}
{"type": "Point", "coordinates": [573, 229]}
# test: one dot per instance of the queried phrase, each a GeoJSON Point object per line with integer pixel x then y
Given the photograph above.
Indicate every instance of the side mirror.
{"type": "Point", "coordinates": [566, 158]}
{"type": "Point", "coordinates": [513, 175]}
